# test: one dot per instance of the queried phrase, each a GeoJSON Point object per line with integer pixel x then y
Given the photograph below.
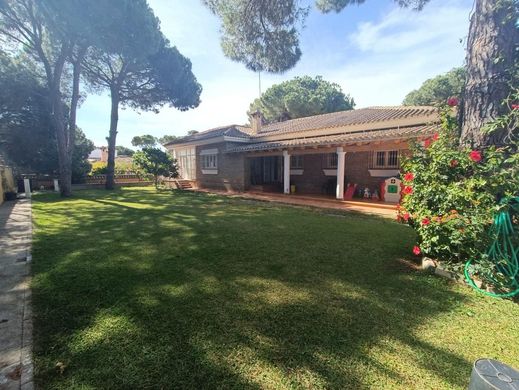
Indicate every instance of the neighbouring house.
{"type": "Point", "coordinates": [99, 154]}
{"type": "Point", "coordinates": [314, 155]}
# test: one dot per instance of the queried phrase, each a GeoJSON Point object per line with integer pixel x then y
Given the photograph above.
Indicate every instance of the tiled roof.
{"type": "Point", "coordinates": [347, 118]}
{"type": "Point", "coordinates": [360, 136]}
{"type": "Point", "coordinates": [230, 131]}
{"type": "Point", "coordinates": [379, 117]}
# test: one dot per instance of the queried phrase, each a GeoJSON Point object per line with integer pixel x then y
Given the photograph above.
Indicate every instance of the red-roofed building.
{"type": "Point", "coordinates": [316, 154]}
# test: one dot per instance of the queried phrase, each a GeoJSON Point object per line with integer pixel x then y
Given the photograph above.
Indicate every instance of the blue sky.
{"type": "Point", "coordinates": [376, 52]}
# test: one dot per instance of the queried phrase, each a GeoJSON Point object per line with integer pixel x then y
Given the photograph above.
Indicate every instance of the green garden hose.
{"type": "Point", "coordinates": [503, 254]}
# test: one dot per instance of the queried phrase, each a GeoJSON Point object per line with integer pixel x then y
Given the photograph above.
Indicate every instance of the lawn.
{"type": "Point", "coordinates": [138, 289]}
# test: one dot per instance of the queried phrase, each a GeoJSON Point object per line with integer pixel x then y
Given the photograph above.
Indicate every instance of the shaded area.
{"type": "Point", "coordinates": [139, 289]}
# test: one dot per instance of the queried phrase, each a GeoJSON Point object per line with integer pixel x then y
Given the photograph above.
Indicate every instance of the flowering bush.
{"type": "Point", "coordinates": [450, 193]}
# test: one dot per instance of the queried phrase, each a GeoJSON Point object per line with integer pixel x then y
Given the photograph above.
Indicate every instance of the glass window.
{"type": "Point", "coordinates": [386, 159]}
{"type": "Point", "coordinates": [392, 159]}
{"type": "Point", "coordinates": [210, 161]}
{"type": "Point", "coordinates": [296, 162]}
{"type": "Point", "coordinates": [330, 160]}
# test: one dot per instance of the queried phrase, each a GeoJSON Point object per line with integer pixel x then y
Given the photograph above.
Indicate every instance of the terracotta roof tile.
{"type": "Point", "coordinates": [347, 118]}
{"type": "Point", "coordinates": [345, 138]}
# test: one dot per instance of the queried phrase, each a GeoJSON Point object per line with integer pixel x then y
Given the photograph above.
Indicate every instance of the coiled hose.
{"type": "Point", "coordinates": [503, 254]}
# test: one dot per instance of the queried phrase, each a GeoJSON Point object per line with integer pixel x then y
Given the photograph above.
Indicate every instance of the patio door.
{"type": "Point", "coordinates": [266, 170]}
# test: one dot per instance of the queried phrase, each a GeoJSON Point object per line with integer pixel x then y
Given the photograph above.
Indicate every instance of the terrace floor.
{"type": "Point", "coordinates": [320, 201]}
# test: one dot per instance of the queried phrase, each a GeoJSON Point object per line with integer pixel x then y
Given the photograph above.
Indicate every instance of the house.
{"type": "Point", "coordinates": [99, 154]}
{"type": "Point", "coordinates": [312, 155]}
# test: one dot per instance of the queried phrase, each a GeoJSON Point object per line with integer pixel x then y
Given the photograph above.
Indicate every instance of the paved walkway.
{"type": "Point", "coordinates": [379, 209]}
{"type": "Point", "coordinates": [16, 371]}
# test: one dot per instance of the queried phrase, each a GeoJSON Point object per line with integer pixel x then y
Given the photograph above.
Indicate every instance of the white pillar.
{"type": "Point", "coordinates": [340, 173]}
{"type": "Point", "coordinates": [27, 187]}
{"type": "Point", "coordinates": [56, 185]}
{"type": "Point", "coordinates": [286, 172]}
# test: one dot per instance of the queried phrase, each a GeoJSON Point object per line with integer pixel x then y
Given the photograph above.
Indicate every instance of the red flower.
{"type": "Point", "coordinates": [436, 137]}
{"type": "Point", "coordinates": [409, 176]}
{"type": "Point", "coordinates": [454, 163]}
{"type": "Point", "coordinates": [475, 156]}
{"type": "Point", "coordinates": [417, 250]}
{"type": "Point", "coordinates": [406, 217]}
{"type": "Point", "coordinates": [408, 190]}
{"type": "Point", "coordinates": [515, 106]}
{"type": "Point", "coordinates": [427, 143]}
{"type": "Point", "coordinates": [452, 101]}
{"type": "Point", "coordinates": [426, 221]}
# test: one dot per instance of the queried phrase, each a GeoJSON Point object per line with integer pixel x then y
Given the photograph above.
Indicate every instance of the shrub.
{"type": "Point", "coordinates": [452, 192]}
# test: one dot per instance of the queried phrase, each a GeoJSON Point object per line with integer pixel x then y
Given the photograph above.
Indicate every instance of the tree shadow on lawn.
{"type": "Point", "coordinates": [195, 291]}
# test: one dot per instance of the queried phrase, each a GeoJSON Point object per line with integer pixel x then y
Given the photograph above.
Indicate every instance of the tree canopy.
{"type": "Point", "coordinates": [124, 151]}
{"type": "Point", "coordinates": [146, 140]}
{"type": "Point", "coordinates": [155, 162]}
{"type": "Point", "coordinates": [263, 35]}
{"type": "Point", "coordinates": [27, 132]}
{"type": "Point", "coordinates": [140, 68]}
{"type": "Point", "coordinates": [438, 89]}
{"type": "Point", "coordinates": [300, 97]}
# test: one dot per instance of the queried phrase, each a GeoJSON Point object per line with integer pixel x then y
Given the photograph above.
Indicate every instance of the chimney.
{"type": "Point", "coordinates": [256, 122]}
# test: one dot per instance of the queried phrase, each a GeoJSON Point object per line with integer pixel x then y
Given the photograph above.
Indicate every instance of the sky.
{"type": "Point", "coordinates": [376, 52]}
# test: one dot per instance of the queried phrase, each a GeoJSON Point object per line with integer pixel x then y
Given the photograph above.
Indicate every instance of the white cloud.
{"type": "Point", "coordinates": [404, 29]}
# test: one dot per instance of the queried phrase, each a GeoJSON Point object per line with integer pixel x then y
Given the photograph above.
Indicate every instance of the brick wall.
{"type": "Point", "coordinates": [313, 178]}
{"type": "Point", "coordinates": [231, 170]}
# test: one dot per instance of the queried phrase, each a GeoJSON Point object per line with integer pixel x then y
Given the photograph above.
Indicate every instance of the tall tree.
{"type": "Point", "coordinates": [438, 89]}
{"type": "Point", "coordinates": [492, 49]}
{"type": "Point", "coordinates": [57, 35]}
{"type": "Point", "coordinates": [492, 60]}
{"type": "Point", "coordinates": [300, 97]}
{"type": "Point", "coordinates": [139, 68]}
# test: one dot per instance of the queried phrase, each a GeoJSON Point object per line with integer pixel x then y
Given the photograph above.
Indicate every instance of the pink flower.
{"type": "Point", "coordinates": [406, 217]}
{"type": "Point", "coordinates": [436, 137]}
{"type": "Point", "coordinates": [515, 106]}
{"type": "Point", "coordinates": [426, 221]}
{"type": "Point", "coordinates": [427, 143]}
{"type": "Point", "coordinates": [409, 176]}
{"type": "Point", "coordinates": [417, 250]}
{"type": "Point", "coordinates": [408, 190]}
{"type": "Point", "coordinates": [475, 156]}
{"type": "Point", "coordinates": [454, 163]}
{"type": "Point", "coordinates": [453, 101]}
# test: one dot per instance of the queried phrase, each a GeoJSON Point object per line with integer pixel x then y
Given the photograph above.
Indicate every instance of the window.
{"type": "Point", "coordinates": [386, 159]}
{"type": "Point", "coordinates": [210, 161]}
{"type": "Point", "coordinates": [330, 160]}
{"type": "Point", "coordinates": [296, 162]}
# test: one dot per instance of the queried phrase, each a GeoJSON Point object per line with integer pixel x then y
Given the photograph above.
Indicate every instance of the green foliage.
{"type": "Point", "coordinates": [167, 138]}
{"type": "Point", "coordinates": [338, 5]}
{"type": "Point", "coordinates": [124, 151]}
{"type": "Point", "coordinates": [300, 97]}
{"type": "Point", "coordinates": [263, 35]}
{"type": "Point", "coordinates": [121, 168]}
{"type": "Point", "coordinates": [438, 89]}
{"type": "Point", "coordinates": [146, 140]}
{"type": "Point", "coordinates": [454, 193]}
{"type": "Point", "coordinates": [156, 162]}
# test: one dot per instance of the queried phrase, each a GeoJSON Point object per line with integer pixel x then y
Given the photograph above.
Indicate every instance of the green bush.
{"type": "Point", "coordinates": [452, 192]}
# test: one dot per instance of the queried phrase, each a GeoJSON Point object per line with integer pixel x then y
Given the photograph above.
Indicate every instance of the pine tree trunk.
{"type": "Point", "coordinates": [492, 41]}
{"type": "Point", "coordinates": [114, 118]}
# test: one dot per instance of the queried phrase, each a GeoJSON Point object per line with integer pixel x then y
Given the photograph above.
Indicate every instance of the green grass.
{"type": "Point", "coordinates": [138, 289]}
